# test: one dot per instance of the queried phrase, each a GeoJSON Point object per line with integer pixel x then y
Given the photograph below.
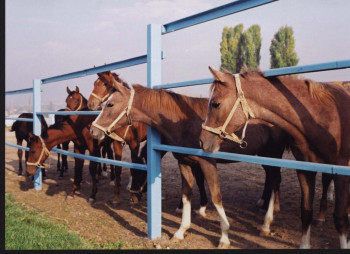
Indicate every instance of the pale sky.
{"type": "Point", "coordinates": [46, 38]}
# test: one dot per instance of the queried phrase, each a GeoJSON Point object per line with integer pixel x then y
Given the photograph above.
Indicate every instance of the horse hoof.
{"type": "Point", "coordinates": [223, 245]}
{"type": "Point", "coordinates": [319, 222]}
{"type": "Point", "coordinates": [91, 201]}
{"type": "Point", "coordinates": [175, 240]}
{"type": "Point", "coordinates": [264, 233]}
{"type": "Point", "coordinates": [276, 209]}
{"type": "Point", "coordinates": [178, 210]}
{"type": "Point", "coordinates": [111, 183]}
{"type": "Point", "coordinates": [260, 203]}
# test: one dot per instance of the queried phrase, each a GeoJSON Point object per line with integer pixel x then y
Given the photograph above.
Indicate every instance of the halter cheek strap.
{"type": "Point", "coordinates": [126, 112]}
{"type": "Point", "coordinates": [247, 112]}
{"type": "Point", "coordinates": [43, 151]}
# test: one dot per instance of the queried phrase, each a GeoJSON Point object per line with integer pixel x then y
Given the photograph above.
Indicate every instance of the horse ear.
{"type": "Point", "coordinates": [220, 76]}
{"type": "Point", "coordinates": [76, 89]}
{"type": "Point", "coordinates": [68, 90]}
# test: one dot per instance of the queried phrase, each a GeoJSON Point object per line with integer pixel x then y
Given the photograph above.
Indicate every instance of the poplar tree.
{"type": "Point", "coordinates": [238, 48]}
{"type": "Point", "coordinates": [282, 49]}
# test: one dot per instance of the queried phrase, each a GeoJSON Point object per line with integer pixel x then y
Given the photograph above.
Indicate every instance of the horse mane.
{"type": "Point", "coordinates": [319, 91]}
{"type": "Point", "coordinates": [116, 77]}
{"type": "Point", "coordinates": [181, 105]}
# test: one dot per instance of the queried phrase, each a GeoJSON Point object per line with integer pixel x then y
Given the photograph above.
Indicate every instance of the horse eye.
{"type": "Point", "coordinates": [33, 152]}
{"type": "Point", "coordinates": [110, 105]}
{"type": "Point", "coordinates": [105, 84]}
{"type": "Point", "coordinates": [215, 104]}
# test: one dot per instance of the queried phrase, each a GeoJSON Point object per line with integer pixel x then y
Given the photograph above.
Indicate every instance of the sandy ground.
{"type": "Point", "coordinates": [241, 186]}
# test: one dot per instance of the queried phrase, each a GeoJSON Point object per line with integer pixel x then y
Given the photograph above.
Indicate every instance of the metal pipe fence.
{"type": "Point", "coordinates": [153, 61]}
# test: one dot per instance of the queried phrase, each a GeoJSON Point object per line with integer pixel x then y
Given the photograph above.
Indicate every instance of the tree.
{"type": "Point", "coordinates": [249, 48]}
{"type": "Point", "coordinates": [282, 49]}
{"type": "Point", "coordinates": [238, 48]}
{"type": "Point", "coordinates": [229, 47]}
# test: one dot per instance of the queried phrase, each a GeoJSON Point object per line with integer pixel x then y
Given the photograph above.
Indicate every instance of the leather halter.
{"type": "Point", "coordinates": [43, 151]}
{"type": "Point", "coordinates": [247, 112]}
{"type": "Point", "coordinates": [126, 112]}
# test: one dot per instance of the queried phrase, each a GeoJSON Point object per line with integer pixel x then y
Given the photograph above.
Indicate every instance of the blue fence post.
{"type": "Point", "coordinates": [154, 180]}
{"type": "Point", "coordinates": [37, 125]}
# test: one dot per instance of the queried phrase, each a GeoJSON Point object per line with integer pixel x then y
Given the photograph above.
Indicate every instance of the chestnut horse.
{"type": "Point", "coordinates": [316, 115]}
{"type": "Point", "coordinates": [103, 88]}
{"type": "Point", "coordinates": [22, 130]}
{"type": "Point", "coordinates": [178, 118]}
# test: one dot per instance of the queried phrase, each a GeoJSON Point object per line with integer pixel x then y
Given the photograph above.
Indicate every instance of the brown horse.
{"type": "Point", "coordinates": [62, 167]}
{"type": "Point", "coordinates": [104, 88]}
{"type": "Point", "coordinates": [178, 118]}
{"type": "Point", "coordinates": [316, 115]}
{"type": "Point", "coordinates": [130, 136]}
{"type": "Point", "coordinates": [22, 130]}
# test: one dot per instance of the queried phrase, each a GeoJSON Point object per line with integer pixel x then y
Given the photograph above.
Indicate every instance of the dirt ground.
{"type": "Point", "coordinates": [241, 186]}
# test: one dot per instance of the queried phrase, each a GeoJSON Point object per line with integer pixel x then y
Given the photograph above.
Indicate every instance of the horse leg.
{"type": "Point", "coordinates": [211, 176]}
{"type": "Point", "coordinates": [59, 159]}
{"type": "Point", "coordinates": [65, 146]}
{"type": "Point", "coordinates": [187, 185]}
{"type": "Point", "coordinates": [326, 180]}
{"type": "Point", "coordinates": [262, 202]}
{"type": "Point", "coordinates": [118, 150]}
{"type": "Point", "coordinates": [274, 178]}
{"type": "Point", "coordinates": [20, 154]}
{"type": "Point", "coordinates": [307, 185]}
{"type": "Point", "coordinates": [109, 151]}
{"type": "Point", "coordinates": [341, 184]}
{"type": "Point", "coordinates": [78, 171]}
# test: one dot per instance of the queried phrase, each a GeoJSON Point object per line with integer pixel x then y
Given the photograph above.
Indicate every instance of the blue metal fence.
{"type": "Point", "coordinates": [153, 60]}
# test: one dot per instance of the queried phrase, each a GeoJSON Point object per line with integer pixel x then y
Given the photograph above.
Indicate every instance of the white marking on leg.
{"type": "Point", "coordinates": [269, 214]}
{"type": "Point", "coordinates": [201, 211]}
{"type": "Point", "coordinates": [305, 240]}
{"type": "Point", "coordinates": [128, 187]}
{"type": "Point", "coordinates": [343, 242]}
{"type": "Point", "coordinates": [186, 218]}
{"type": "Point", "coordinates": [330, 192]}
{"type": "Point", "coordinates": [225, 226]}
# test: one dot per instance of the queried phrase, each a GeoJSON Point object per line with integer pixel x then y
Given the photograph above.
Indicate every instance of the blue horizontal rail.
{"type": "Point", "coordinates": [69, 113]}
{"type": "Point", "coordinates": [107, 67]}
{"type": "Point", "coordinates": [309, 166]}
{"type": "Point", "coordinates": [211, 14]}
{"type": "Point", "coordinates": [334, 65]}
{"type": "Point", "coordinates": [17, 146]}
{"type": "Point", "coordinates": [308, 68]}
{"type": "Point", "coordinates": [20, 91]}
{"type": "Point", "coordinates": [20, 119]}
{"type": "Point", "coordinates": [101, 160]}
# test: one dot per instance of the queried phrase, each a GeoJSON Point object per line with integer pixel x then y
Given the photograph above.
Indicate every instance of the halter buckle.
{"type": "Point", "coordinates": [244, 144]}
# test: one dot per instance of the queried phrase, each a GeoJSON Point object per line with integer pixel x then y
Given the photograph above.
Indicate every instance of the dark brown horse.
{"type": "Point", "coordinates": [62, 167]}
{"type": "Point", "coordinates": [22, 130]}
{"type": "Point", "coordinates": [178, 118]}
{"type": "Point", "coordinates": [316, 115]}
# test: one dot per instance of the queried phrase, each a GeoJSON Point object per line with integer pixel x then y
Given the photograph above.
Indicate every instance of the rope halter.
{"type": "Point", "coordinates": [126, 111]}
{"type": "Point", "coordinates": [101, 99]}
{"type": "Point", "coordinates": [43, 151]}
{"type": "Point", "coordinates": [247, 112]}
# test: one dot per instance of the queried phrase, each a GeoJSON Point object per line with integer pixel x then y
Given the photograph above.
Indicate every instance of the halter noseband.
{"type": "Point", "coordinates": [43, 151]}
{"type": "Point", "coordinates": [101, 99]}
{"type": "Point", "coordinates": [247, 112]}
{"type": "Point", "coordinates": [126, 111]}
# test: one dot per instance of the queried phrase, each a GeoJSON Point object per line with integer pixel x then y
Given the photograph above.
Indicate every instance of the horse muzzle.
{"type": "Point", "coordinates": [96, 133]}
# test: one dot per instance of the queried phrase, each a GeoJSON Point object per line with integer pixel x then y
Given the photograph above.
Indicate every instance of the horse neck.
{"type": "Point", "coordinates": [170, 116]}
{"type": "Point", "coordinates": [286, 103]}
{"type": "Point", "coordinates": [58, 136]}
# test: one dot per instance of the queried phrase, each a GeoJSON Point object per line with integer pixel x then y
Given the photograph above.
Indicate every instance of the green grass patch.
{"type": "Point", "coordinates": [28, 230]}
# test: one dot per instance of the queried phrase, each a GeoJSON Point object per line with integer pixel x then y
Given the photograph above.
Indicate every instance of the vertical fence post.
{"type": "Point", "coordinates": [37, 125]}
{"type": "Point", "coordinates": [154, 180]}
